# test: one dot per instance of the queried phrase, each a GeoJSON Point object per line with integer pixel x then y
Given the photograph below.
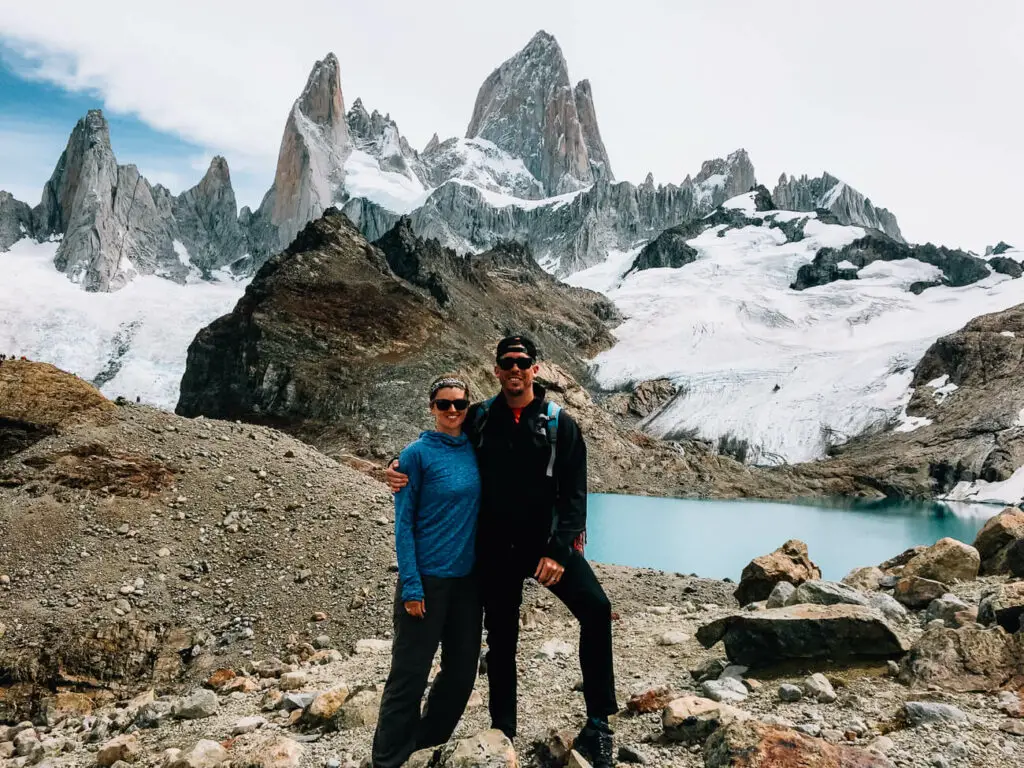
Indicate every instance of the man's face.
{"type": "Point", "coordinates": [515, 380]}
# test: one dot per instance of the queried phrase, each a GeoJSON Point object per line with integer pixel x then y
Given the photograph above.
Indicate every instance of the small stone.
{"type": "Point", "coordinates": [818, 687]}
{"type": "Point", "coordinates": [892, 667]}
{"type": "Point", "coordinates": [1014, 727]}
{"type": "Point", "coordinates": [248, 725]}
{"type": "Point", "coordinates": [5, 579]}
{"type": "Point", "coordinates": [554, 648]}
{"type": "Point", "coordinates": [373, 646]}
{"type": "Point", "coordinates": [326, 704]}
{"type": "Point", "coordinates": [576, 760]}
{"type": "Point", "coordinates": [163, 552]}
{"type": "Point", "coordinates": [672, 638]}
{"type": "Point", "coordinates": [652, 700]}
{"type": "Point", "coordinates": [727, 689]}
{"type": "Point", "coordinates": [882, 745]}
{"type": "Point", "coordinates": [322, 641]}
{"type": "Point", "coordinates": [790, 692]}
{"type": "Point", "coordinates": [273, 751]}
{"type": "Point", "coordinates": [691, 719]}
{"type": "Point", "coordinates": [123, 529]}
{"type": "Point", "coordinates": [205, 754]}
{"type": "Point", "coordinates": [293, 681]}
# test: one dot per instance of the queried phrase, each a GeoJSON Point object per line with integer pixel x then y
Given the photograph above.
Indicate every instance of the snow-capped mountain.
{"type": "Point", "coordinates": [789, 319]}
{"type": "Point", "coordinates": [712, 308]}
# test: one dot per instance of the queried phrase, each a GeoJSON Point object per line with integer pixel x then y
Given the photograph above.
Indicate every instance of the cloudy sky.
{"type": "Point", "coordinates": [917, 103]}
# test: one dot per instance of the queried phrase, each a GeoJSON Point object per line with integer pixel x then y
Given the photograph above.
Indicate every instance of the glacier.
{"type": "Point", "coordinates": [792, 372]}
{"type": "Point", "coordinates": [131, 343]}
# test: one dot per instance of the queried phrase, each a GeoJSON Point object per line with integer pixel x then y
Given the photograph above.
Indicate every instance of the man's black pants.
{"type": "Point", "coordinates": [582, 594]}
{"type": "Point", "coordinates": [452, 620]}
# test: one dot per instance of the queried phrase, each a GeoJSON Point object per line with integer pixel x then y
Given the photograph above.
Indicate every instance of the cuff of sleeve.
{"type": "Point", "coordinates": [411, 595]}
{"type": "Point", "coordinates": [558, 552]}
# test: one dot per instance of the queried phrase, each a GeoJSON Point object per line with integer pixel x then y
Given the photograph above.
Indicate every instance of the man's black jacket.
{"type": "Point", "coordinates": [525, 515]}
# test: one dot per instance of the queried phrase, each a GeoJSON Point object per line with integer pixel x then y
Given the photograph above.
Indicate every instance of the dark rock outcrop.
{"type": "Point", "coordinates": [847, 204]}
{"type": "Point", "coordinates": [1006, 266]}
{"type": "Point", "coordinates": [528, 107]}
{"type": "Point", "coordinates": [371, 341]}
{"type": "Point", "coordinates": [958, 268]}
{"type": "Point", "coordinates": [15, 221]}
{"type": "Point", "coordinates": [669, 249]}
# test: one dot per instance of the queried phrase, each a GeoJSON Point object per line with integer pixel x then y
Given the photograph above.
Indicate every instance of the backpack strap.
{"type": "Point", "coordinates": [480, 419]}
{"type": "Point", "coordinates": [551, 426]}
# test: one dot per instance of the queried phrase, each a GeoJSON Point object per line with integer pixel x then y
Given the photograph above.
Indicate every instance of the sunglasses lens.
{"type": "Point", "coordinates": [507, 363]}
{"type": "Point", "coordinates": [444, 405]}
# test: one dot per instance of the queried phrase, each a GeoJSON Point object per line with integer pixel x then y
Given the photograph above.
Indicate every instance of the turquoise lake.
{"type": "Point", "coordinates": [716, 539]}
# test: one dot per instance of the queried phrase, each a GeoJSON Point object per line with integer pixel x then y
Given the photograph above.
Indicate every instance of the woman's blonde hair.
{"type": "Point", "coordinates": [449, 380]}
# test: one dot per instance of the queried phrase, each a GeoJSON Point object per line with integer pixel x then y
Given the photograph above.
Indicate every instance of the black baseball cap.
{"type": "Point", "coordinates": [516, 344]}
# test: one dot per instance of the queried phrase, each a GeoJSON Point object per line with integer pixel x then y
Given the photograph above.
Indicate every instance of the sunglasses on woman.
{"type": "Point", "coordinates": [443, 404]}
{"type": "Point", "coordinates": [522, 363]}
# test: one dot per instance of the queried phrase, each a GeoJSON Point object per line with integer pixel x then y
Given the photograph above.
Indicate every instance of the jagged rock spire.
{"type": "Point", "coordinates": [311, 161]}
{"type": "Point", "coordinates": [207, 219]}
{"type": "Point", "coordinates": [528, 107]}
{"type": "Point", "coordinates": [15, 220]}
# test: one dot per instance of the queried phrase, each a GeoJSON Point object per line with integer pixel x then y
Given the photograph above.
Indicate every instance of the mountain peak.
{"type": "Point", "coordinates": [528, 108]}
{"type": "Point", "coordinates": [321, 100]}
{"type": "Point", "coordinates": [833, 194]}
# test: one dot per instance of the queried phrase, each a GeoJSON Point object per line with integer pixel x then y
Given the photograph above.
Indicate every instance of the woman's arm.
{"type": "Point", "coordinates": [406, 506]}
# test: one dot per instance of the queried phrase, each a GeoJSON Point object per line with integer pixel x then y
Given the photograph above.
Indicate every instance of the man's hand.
{"type": "Point", "coordinates": [548, 572]}
{"type": "Point", "coordinates": [416, 608]}
{"type": "Point", "coordinates": [396, 480]}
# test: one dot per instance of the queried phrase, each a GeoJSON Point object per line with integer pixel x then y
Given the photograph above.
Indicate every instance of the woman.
{"type": "Point", "coordinates": [437, 600]}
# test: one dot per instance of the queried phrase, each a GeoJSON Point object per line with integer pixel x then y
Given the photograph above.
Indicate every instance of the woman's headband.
{"type": "Point", "coordinates": [448, 382]}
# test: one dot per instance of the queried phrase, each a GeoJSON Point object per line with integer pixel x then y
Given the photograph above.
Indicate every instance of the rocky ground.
{"type": "Point", "coordinates": [146, 557]}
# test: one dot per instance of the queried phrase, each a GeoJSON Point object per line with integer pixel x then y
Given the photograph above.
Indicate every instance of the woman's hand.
{"type": "Point", "coordinates": [416, 608]}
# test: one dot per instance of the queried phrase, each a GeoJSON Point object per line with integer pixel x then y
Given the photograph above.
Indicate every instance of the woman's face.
{"type": "Point", "coordinates": [445, 413]}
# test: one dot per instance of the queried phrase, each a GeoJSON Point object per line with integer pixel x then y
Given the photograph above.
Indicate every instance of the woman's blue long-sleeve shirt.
{"type": "Point", "coordinates": [436, 513]}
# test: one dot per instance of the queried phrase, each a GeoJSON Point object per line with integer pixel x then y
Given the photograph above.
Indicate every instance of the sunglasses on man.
{"type": "Point", "coordinates": [522, 363]}
{"type": "Point", "coordinates": [444, 404]}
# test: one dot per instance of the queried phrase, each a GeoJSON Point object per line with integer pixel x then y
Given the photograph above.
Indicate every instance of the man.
{"type": "Point", "coordinates": [532, 522]}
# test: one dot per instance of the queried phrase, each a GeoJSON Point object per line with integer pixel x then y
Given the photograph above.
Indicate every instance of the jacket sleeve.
{"type": "Point", "coordinates": [406, 506]}
{"type": "Point", "coordinates": [571, 490]}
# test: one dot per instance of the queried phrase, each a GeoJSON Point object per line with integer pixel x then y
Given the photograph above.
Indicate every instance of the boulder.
{"type": "Point", "coordinates": [818, 592]}
{"type": "Point", "coordinates": [962, 660]}
{"type": "Point", "coordinates": [272, 751]}
{"type": "Point", "coordinates": [803, 632]}
{"type": "Point", "coordinates": [125, 747]}
{"type": "Point", "coordinates": [1004, 606]}
{"type": "Point", "coordinates": [945, 609]}
{"type": "Point", "coordinates": [293, 681]}
{"type": "Point", "coordinates": [359, 710]}
{"type": "Point", "coordinates": [933, 712]}
{"type": "Point", "coordinates": [780, 595]}
{"type": "Point", "coordinates": [789, 692]}
{"type": "Point", "coordinates": [866, 579]}
{"type": "Point", "coordinates": [248, 725]}
{"type": "Point", "coordinates": [198, 704]}
{"type": "Point", "coordinates": [220, 678]}
{"type": "Point", "coordinates": [691, 719]}
{"type": "Point", "coordinates": [325, 705]}
{"type": "Point", "coordinates": [948, 560]}
{"type": "Point", "coordinates": [995, 538]}
{"type": "Point", "coordinates": [888, 606]}
{"type": "Point", "coordinates": [753, 743]}
{"type": "Point", "coordinates": [895, 564]}
{"type": "Point", "coordinates": [917, 592]}
{"type": "Point", "coordinates": [205, 754]}
{"type": "Point", "coordinates": [790, 563]}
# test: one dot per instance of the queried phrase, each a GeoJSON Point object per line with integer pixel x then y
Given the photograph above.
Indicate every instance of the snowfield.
{"type": "Point", "coordinates": [136, 337]}
{"type": "Point", "coordinates": [790, 371]}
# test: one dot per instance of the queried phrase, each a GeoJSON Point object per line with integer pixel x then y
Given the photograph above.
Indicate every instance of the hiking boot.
{"type": "Point", "coordinates": [595, 744]}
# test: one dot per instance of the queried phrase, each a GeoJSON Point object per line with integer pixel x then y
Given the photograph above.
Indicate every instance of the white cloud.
{"type": "Point", "coordinates": [917, 104]}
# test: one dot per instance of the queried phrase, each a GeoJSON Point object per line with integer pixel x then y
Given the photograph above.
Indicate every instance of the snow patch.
{"type": "Point", "coordinates": [743, 203]}
{"type": "Point", "coordinates": [1009, 491]}
{"type": "Point", "coordinates": [78, 331]}
{"type": "Point", "coordinates": [392, 191]}
{"type": "Point", "coordinates": [182, 253]}
{"type": "Point", "coordinates": [1008, 334]}
{"type": "Point", "coordinates": [499, 200]}
{"type": "Point", "coordinates": [846, 264]}
{"type": "Point", "coordinates": [943, 388]}
{"type": "Point", "coordinates": [903, 272]}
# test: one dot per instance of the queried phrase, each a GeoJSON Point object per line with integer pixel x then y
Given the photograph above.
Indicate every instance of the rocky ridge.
{"type": "Point", "coordinates": [847, 204]}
